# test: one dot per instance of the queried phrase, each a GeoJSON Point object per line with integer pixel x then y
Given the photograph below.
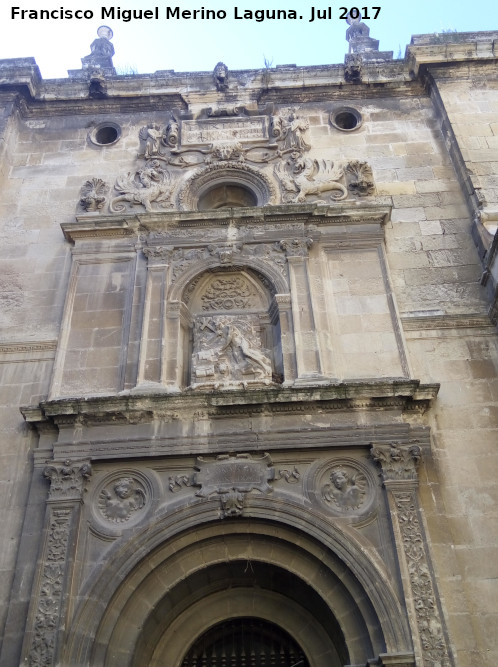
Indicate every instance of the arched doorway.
{"type": "Point", "coordinates": [245, 641]}
{"type": "Point", "coordinates": [173, 582]}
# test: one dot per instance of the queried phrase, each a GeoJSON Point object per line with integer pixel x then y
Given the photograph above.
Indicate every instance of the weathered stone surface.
{"type": "Point", "coordinates": [244, 299]}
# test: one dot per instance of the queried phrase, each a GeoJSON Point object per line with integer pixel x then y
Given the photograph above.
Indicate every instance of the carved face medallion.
{"type": "Point", "coordinates": [121, 499]}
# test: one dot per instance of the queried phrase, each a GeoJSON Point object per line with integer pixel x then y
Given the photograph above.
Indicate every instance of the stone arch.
{"type": "Point", "coordinates": [226, 172]}
{"type": "Point", "coordinates": [278, 283]}
{"type": "Point", "coordinates": [172, 569]}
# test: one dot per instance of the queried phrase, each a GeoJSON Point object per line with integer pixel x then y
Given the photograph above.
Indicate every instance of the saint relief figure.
{"type": "Point", "coordinates": [229, 350]}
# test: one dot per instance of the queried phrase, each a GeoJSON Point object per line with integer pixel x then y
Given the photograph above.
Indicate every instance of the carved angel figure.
{"type": "Point", "coordinates": [310, 177]}
{"type": "Point", "coordinates": [153, 186]}
{"type": "Point", "coordinates": [151, 135]}
{"type": "Point", "coordinates": [347, 491]}
{"type": "Point", "coordinates": [292, 132]}
{"type": "Point", "coordinates": [125, 497]}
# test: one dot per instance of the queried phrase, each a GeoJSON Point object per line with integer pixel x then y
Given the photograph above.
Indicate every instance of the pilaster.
{"type": "Point", "coordinates": [51, 590]}
{"type": "Point", "coordinates": [399, 473]}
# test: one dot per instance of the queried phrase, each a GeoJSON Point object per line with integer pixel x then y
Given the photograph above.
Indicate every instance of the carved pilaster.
{"type": "Point", "coordinates": [399, 472]}
{"type": "Point", "coordinates": [46, 619]}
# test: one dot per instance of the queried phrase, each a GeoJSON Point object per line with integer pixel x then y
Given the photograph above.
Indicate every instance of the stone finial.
{"type": "Point", "coordinates": [361, 44]}
{"type": "Point", "coordinates": [220, 77]}
{"type": "Point", "coordinates": [101, 51]}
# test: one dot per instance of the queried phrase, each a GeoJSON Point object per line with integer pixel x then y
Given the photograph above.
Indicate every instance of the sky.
{"type": "Point", "coordinates": [146, 45]}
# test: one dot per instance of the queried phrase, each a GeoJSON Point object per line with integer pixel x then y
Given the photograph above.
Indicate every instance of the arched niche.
{"type": "Point", "coordinates": [230, 329]}
{"type": "Point", "coordinates": [175, 579]}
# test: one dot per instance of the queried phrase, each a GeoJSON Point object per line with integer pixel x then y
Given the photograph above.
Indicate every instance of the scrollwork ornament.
{"type": "Point", "coordinates": [362, 178]}
{"type": "Point", "coordinates": [93, 195]}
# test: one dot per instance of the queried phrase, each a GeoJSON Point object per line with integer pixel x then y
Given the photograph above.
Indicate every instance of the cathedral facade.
{"type": "Point", "coordinates": [249, 361]}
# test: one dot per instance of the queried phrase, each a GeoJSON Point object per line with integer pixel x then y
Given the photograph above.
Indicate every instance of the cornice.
{"type": "Point", "coordinates": [24, 351]}
{"type": "Point", "coordinates": [463, 321]}
{"type": "Point", "coordinates": [95, 226]}
{"type": "Point", "coordinates": [137, 407]}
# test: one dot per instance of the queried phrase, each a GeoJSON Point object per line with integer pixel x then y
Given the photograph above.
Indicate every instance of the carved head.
{"type": "Point", "coordinates": [124, 488]}
{"type": "Point", "coordinates": [339, 479]}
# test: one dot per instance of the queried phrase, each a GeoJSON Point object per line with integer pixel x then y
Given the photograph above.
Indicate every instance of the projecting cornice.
{"type": "Point", "coordinates": [347, 218]}
{"type": "Point", "coordinates": [145, 406]}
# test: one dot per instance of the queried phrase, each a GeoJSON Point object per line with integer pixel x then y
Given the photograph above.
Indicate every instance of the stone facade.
{"type": "Point", "coordinates": [249, 361]}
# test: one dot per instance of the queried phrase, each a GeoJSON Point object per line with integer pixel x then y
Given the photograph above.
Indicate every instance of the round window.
{"type": "Point", "coordinates": [346, 119]}
{"type": "Point", "coordinates": [105, 134]}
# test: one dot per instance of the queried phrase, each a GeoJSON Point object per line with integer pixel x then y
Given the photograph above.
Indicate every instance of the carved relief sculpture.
{"type": "Point", "coordinates": [399, 472]}
{"type": "Point", "coordinates": [151, 136]}
{"type": "Point", "coordinates": [291, 132]}
{"type": "Point", "coordinates": [93, 195]}
{"type": "Point", "coordinates": [67, 479]}
{"type": "Point", "coordinates": [220, 77]}
{"type": "Point", "coordinates": [232, 478]}
{"type": "Point", "coordinates": [151, 183]}
{"type": "Point", "coordinates": [227, 351]}
{"type": "Point", "coordinates": [347, 489]}
{"type": "Point", "coordinates": [353, 64]}
{"type": "Point", "coordinates": [304, 176]}
{"type": "Point", "coordinates": [228, 293]}
{"type": "Point", "coordinates": [120, 499]}
{"type": "Point", "coordinates": [361, 181]}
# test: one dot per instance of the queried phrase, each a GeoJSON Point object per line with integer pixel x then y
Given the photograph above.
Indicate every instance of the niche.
{"type": "Point", "coordinates": [234, 330]}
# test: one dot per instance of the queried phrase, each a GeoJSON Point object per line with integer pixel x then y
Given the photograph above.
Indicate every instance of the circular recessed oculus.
{"type": "Point", "coordinates": [105, 134]}
{"type": "Point", "coordinates": [346, 119]}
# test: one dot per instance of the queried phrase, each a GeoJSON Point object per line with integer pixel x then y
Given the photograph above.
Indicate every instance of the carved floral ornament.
{"type": "Point", "coordinates": [67, 479]}
{"type": "Point", "coordinates": [220, 145]}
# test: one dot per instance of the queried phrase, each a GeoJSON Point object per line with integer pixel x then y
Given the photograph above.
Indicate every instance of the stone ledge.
{"type": "Point", "coordinates": [395, 393]}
